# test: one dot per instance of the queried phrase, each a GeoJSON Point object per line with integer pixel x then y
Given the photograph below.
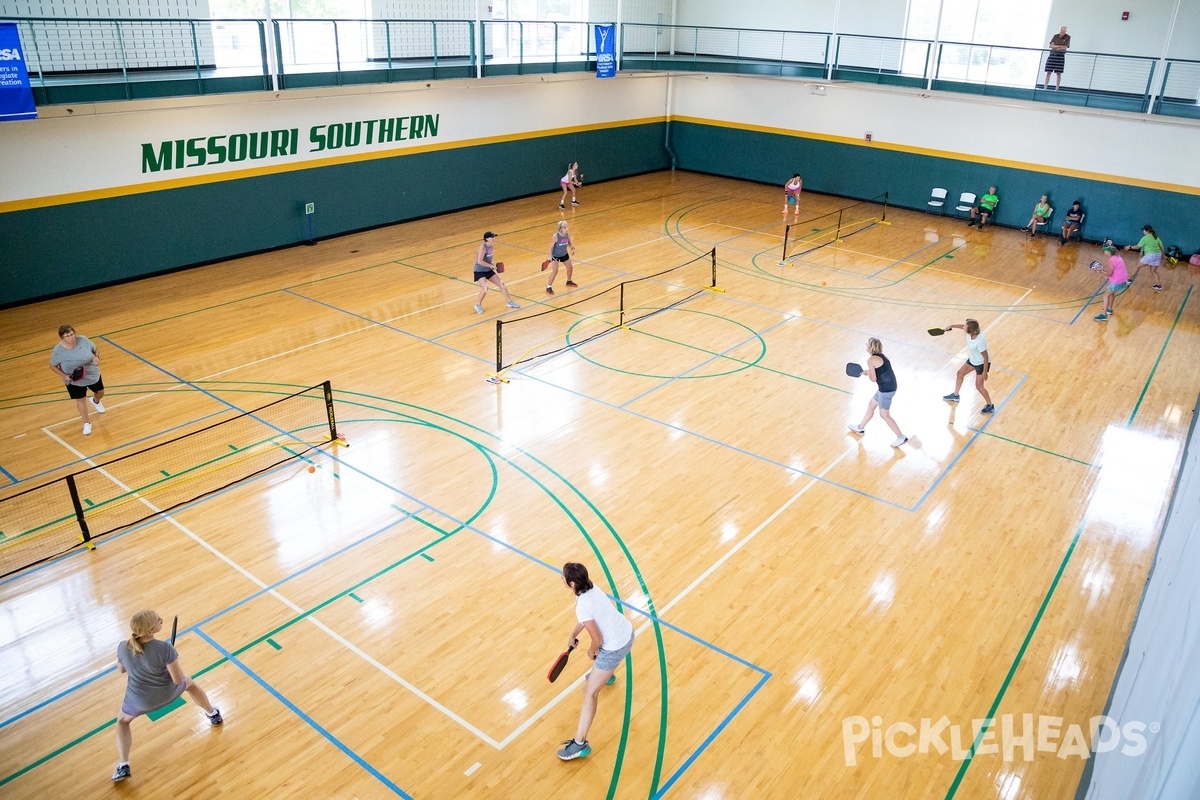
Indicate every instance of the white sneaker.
{"type": "Point", "coordinates": [478, 309]}
{"type": "Point", "coordinates": [899, 441]}
{"type": "Point", "coordinates": [857, 428]}
{"type": "Point", "coordinates": [96, 404]}
{"type": "Point", "coordinates": [87, 429]}
{"type": "Point", "coordinates": [512, 304]}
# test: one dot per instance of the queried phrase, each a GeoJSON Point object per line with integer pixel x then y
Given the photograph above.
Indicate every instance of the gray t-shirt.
{"type": "Point", "coordinates": [150, 685]}
{"type": "Point", "coordinates": [68, 358]}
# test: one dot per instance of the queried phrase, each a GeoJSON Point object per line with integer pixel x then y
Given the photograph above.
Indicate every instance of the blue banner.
{"type": "Point", "coordinates": [16, 98]}
{"type": "Point", "coordinates": [606, 51]}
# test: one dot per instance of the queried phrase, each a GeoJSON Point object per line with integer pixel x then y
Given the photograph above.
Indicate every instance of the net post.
{"type": "Point", "coordinates": [327, 388]}
{"type": "Point", "coordinates": [885, 202]}
{"type": "Point", "coordinates": [713, 255]}
{"type": "Point", "coordinates": [84, 533]}
{"type": "Point", "coordinates": [621, 306]}
{"type": "Point", "coordinates": [499, 347]}
{"type": "Point", "coordinates": [787, 229]}
{"type": "Point", "coordinates": [838, 235]}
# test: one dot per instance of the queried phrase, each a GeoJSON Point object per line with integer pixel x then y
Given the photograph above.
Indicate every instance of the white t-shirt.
{"type": "Point", "coordinates": [614, 628]}
{"type": "Point", "coordinates": [975, 348]}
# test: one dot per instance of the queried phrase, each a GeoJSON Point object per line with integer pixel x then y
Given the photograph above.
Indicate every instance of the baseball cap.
{"type": "Point", "coordinates": [489, 235]}
{"type": "Point", "coordinates": [1108, 248]}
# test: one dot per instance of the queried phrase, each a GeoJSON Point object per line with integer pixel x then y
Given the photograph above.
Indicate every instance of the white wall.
{"type": "Point", "coordinates": [98, 148]}
{"type": "Point", "coordinates": [1095, 26]}
{"type": "Point", "coordinates": [1071, 140]}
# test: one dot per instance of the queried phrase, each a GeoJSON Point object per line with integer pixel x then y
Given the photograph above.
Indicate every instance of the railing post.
{"type": "Point", "coordinates": [278, 54]}
{"type": "Point", "coordinates": [1150, 93]}
{"type": "Point", "coordinates": [337, 51]}
{"type": "Point", "coordinates": [124, 63]}
{"type": "Point", "coordinates": [435, 47]}
{"type": "Point", "coordinates": [555, 69]}
{"type": "Point", "coordinates": [267, 72]}
{"type": "Point", "coordinates": [521, 48]}
{"type": "Point", "coordinates": [196, 53]}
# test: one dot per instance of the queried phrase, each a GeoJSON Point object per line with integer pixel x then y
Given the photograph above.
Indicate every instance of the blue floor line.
{"type": "Point", "coordinates": [312, 723]}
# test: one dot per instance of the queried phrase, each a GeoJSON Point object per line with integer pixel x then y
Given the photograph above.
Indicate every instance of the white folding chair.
{"type": "Point", "coordinates": [1046, 224]}
{"type": "Point", "coordinates": [937, 199]}
{"type": "Point", "coordinates": [966, 201]}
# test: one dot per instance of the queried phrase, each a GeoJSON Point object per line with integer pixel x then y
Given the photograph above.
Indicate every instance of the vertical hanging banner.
{"type": "Point", "coordinates": [16, 97]}
{"type": "Point", "coordinates": [606, 51]}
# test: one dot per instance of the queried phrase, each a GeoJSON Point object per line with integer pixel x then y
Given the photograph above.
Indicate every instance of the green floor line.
{"type": "Point", "coordinates": [1033, 447]}
{"type": "Point", "coordinates": [1137, 406]}
{"type": "Point", "coordinates": [355, 597]}
{"type": "Point", "coordinates": [426, 556]}
{"type": "Point", "coordinates": [1012, 670]}
{"type": "Point", "coordinates": [165, 473]}
{"type": "Point", "coordinates": [167, 709]}
{"type": "Point", "coordinates": [274, 644]}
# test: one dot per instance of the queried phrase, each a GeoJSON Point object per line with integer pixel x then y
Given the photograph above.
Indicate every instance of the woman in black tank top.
{"type": "Point", "coordinates": [879, 369]}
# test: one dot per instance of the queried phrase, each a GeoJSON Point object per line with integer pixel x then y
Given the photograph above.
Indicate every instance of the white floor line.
{"type": "Point", "coordinates": [275, 594]}
{"type": "Point", "coordinates": [1027, 289]}
{"type": "Point", "coordinates": [471, 769]}
{"type": "Point", "coordinates": [961, 355]}
{"type": "Point", "coordinates": [748, 537]}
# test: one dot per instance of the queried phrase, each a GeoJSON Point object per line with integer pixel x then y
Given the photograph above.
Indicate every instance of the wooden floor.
{"type": "Point", "coordinates": [382, 626]}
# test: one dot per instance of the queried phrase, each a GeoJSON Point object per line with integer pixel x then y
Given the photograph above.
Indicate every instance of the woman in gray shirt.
{"type": "Point", "coordinates": [155, 679]}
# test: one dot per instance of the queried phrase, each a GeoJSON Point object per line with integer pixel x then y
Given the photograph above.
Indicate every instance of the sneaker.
{"type": "Point", "coordinates": [572, 285]}
{"type": "Point", "coordinates": [96, 404]}
{"type": "Point", "coordinates": [121, 773]}
{"type": "Point", "coordinates": [952, 397]}
{"type": "Point", "coordinates": [87, 429]}
{"type": "Point", "coordinates": [1026, 229]}
{"type": "Point", "coordinates": [1158, 287]}
{"type": "Point", "coordinates": [970, 223]}
{"type": "Point", "coordinates": [549, 290]}
{"type": "Point", "coordinates": [573, 749]}
{"type": "Point", "coordinates": [1101, 317]}
{"type": "Point", "coordinates": [512, 304]}
{"type": "Point", "coordinates": [560, 205]}
{"type": "Point", "coordinates": [899, 441]}
{"type": "Point", "coordinates": [574, 202]}
{"type": "Point", "coordinates": [856, 429]}
{"type": "Point", "coordinates": [215, 718]}
{"type": "Point", "coordinates": [1062, 240]}
{"type": "Point", "coordinates": [478, 309]}
{"type": "Point", "coordinates": [989, 408]}
{"type": "Point", "coordinates": [611, 678]}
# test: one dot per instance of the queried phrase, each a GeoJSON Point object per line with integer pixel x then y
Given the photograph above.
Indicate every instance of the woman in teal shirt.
{"type": "Point", "coordinates": [1151, 248]}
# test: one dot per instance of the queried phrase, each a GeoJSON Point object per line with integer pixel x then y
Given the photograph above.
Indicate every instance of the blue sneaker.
{"type": "Point", "coordinates": [952, 397]}
{"type": "Point", "coordinates": [988, 409]}
{"type": "Point", "coordinates": [1102, 317]}
{"type": "Point", "coordinates": [573, 749]}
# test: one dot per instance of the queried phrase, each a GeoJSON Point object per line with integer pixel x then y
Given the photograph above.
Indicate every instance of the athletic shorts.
{"type": "Point", "coordinates": [1152, 259]}
{"type": "Point", "coordinates": [1116, 287]}
{"type": "Point", "coordinates": [608, 660]}
{"type": "Point", "coordinates": [176, 690]}
{"type": "Point", "coordinates": [982, 210]}
{"type": "Point", "coordinates": [977, 367]}
{"type": "Point", "coordinates": [80, 392]}
{"type": "Point", "coordinates": [485, 274]}
{"type": "Point", "coordinates": [564, 258]}
{"type": "Point", "coordinates": [884, 399]}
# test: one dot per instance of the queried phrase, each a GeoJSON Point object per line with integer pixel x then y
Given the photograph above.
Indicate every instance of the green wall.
{"type": "Point", "coordinates": [67, 248]}
{"type": "Point", "coordinates": [863, 171]}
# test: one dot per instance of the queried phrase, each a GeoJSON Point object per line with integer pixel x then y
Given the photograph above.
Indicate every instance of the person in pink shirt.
{"type": "Point", "coordinates": [1118, 279]}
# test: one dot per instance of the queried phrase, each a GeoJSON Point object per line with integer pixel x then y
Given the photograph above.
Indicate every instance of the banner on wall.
{"type": "Point", "coordinates": [16, 96]}
{"type": "Point", "coordinates": [606, 51]}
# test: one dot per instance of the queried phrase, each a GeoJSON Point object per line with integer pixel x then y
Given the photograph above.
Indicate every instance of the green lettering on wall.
{"type": "Point", "coordinates": [155, 162]}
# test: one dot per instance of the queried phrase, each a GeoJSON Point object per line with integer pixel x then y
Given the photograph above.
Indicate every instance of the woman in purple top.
{"type": "Point", "coordinates": [155, 679]}
{"type": "Point", "coordinates": [485, 273]}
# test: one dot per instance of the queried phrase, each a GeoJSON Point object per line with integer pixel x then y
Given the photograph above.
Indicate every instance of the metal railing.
{"type": "Point", "coordinates": [693, 47]}
{"type": "Point", "coordinates": [129, 57]}
{"type": "Point", "coordinates": [532, 46]}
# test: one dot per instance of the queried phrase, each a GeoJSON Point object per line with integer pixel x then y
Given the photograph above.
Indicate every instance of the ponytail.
{"type": "Point", "coordinates": [576, 576]}
{"type": "Point", "coordinates": [142, 625]}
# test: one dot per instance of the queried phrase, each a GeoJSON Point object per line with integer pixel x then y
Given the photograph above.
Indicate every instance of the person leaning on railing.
{"type": "Point", "coordinates": [1059, 44]}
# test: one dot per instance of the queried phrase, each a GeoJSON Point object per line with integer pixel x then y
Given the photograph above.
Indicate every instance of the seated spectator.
{"type": "Point", "coordinates": [1041, 213]}
{"type": "Point", "coordinates": [1073, 223]}
{"type": "Point", "coordinates": [985, 209]}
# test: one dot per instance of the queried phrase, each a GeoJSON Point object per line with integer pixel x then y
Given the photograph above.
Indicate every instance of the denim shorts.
{"type": "Point", "coordinates": [608, 660]}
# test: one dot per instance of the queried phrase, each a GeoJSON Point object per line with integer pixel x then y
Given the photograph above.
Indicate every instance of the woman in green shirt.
{"type": "Point", "coordinates": [1151, 248]}
{"type": "Point", "coordinates": [1041, 213]}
